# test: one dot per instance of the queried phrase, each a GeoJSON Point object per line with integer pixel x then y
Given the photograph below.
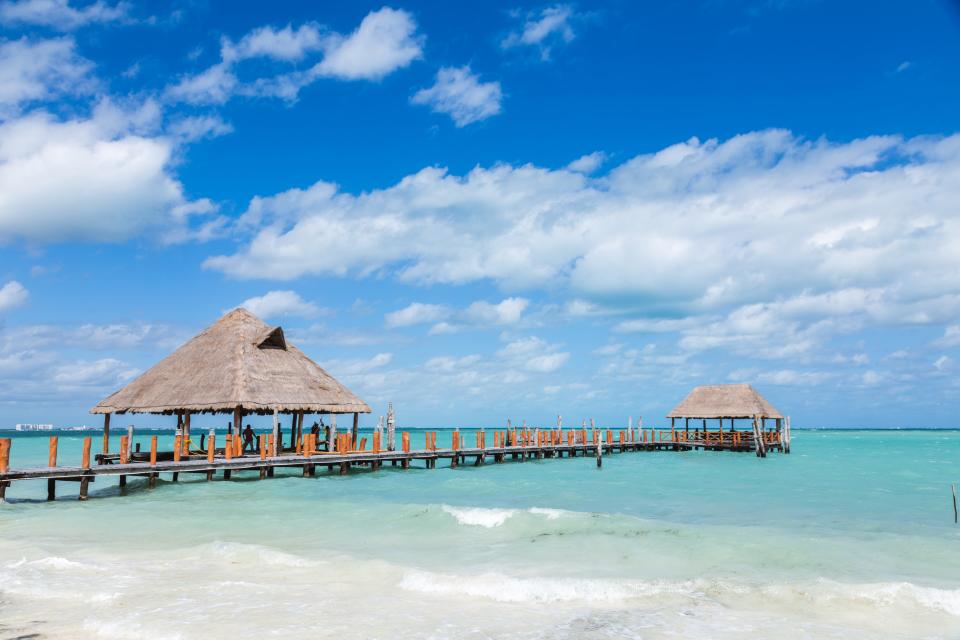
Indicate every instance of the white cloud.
{"type": "Point", "coordinates": [765, 243]}
{"type": "Point", "coordinates": [459, 93]}
{"type": "Point", "coordinates": [478, 315]}
{"type": "Point", "coordinates": [358, 366]}
{"type": "Point", "coordinates": [547, 363]}
{"type": "Point", "coordinates": [507, 311]}
{"type": "Point", "coordinates": [534, 354]}
{"type": "Point", "coordinates": [280, 303]}
{"type": "Point", "coordinates": [385, 41]}
{"type": "Point", "coordinates": [102, 178]}
{"type": "Point", "coordinates": [192, 128]}
{"type": "Point", "coordinates": [215, 85]}
{"type": "Point", "coordinates": [543, 30]}
{"type": "Point", "coordinates": [279, 44]}
{"type": "Point", "coordinates": [588, 163]}
{"type": "Point", "coordinates": [942, 363]}
{"type": "Point", "coordinates": [58, 14]}
{"type": "Point", "coordinates": [95, 374]}
{"type": "Point", "coordinates": [12, 294]}
{"type": "Point", "coordinates": [33, 70]}
{"type": "Point", "coordinates": [903, 66]}
{"type": "Point", "coordinates": [951, 337]}
{"type": "Point", "coordinates": [416, 313]}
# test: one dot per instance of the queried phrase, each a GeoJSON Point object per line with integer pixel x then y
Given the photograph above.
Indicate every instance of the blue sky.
{"type": "Point", "coordinates": [494, 210]}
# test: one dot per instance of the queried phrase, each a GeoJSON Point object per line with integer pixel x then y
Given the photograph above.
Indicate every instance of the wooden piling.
{"type": "Point", "coordinates": [176, 447]}
{"type": "Point", "coordinates": [599, 453]}
{"type": "Point", "coordinates": [106, 433]}
{"type": "Point", "coordinates": [52, 452]}
{"type": "Point", "coordinates": [405, 440]}
{"type": "Point", "coordinates": [4, 454]}
{"type": "Point", "coordinates": [85, 458]}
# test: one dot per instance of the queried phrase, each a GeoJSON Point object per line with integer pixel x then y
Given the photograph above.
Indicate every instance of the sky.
{"type": "Point", "coordinates": [493, 210]}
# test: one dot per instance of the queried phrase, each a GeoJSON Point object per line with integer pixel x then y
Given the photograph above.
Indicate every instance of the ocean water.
{"type": "Point", "coordinates": [850, 536]}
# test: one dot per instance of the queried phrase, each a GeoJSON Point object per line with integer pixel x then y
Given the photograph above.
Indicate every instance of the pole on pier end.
{"type": "Point", "coordinates": [52, 462]}
{"type": "Point", "coordinates": [4, 465]}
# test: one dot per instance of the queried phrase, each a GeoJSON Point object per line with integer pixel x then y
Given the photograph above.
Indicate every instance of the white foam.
{"type": "Point", "coordinates": [550, 514]}
{"type": "Point", "coordinates": [504, 588]}
{"type": "Point", "coordinates": [480, 517]}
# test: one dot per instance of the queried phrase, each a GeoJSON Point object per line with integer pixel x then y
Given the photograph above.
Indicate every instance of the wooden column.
{"type": "Point", "coordinates": [238, 422]}
{"type": "Point", "coordinates": [277, 441]}
{"type": "Point", "coordinates": [356, 427]}
{"type": "Point", "coordinates": [106, 433]}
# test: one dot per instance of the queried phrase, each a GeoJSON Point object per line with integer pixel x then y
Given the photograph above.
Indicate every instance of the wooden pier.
{"type": "Point", "coordinates": [309, 454]}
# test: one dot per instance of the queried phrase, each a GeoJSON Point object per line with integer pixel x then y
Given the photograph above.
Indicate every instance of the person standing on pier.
{"type": "Point", "coordinates": [248, 439]}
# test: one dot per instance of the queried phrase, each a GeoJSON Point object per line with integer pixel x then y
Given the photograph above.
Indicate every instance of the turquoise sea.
{"type": "Point", "coordinates": [850, 536]}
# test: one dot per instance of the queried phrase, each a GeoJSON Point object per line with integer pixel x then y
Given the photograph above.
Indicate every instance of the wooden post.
{"type": "Point", "coordinates": [277, 442]}
{"type": "Point", "coordinates": [4, 454]}
{"type": "Point", "coordinates": [263, 447]}
{"type": "Point", "coordinates": [599, 453]}
{"type": "Point", "coordinates": [177, 447]}
{"type": "Point", "coordinates": [130, 443]}
{"type": "Point", "coordinates": [211, 445]}
{"type": "Point", "coordinates": [787, 433]}
{"type": "Point", "coordinates": [356, 427]}
{"type": "Point", "coordinates": [405, 439]}
{"type": "Point", "coordinates": [332, 438]}
{"type": "Point", "coordinates": [953, 490]}
{"type": "Point", "coordinates": [106, 433]}
{"type": "Point", "coordinates": [391, 429]}
{"type": "Point", "coordinates": [238, 422]}
{"type": "Point", "coordinates": [85, 459]}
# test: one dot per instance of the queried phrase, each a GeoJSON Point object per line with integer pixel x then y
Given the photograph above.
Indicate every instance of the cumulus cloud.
{"type": "Point", "coordinates": [280, 303]}
{"type": "Point", "coordinates": [34, 70]}
{"type": "Point", "coordinates": [459, 93]}
{"type": "Point", "coordinates": [416, 313]}
{"type": "Point", "coordinates": [58, 14]}
{"type": "Point", "coordinates": [105, 177]}
{"type": "Point", "coordinates": [192, 128]}
{"type": "Point", "coordinates": [386, 40]}
{"type": "Point", "coordinates": [588, 163]}
{"type": "Point", "coordinates": [12, 294]}
{"type": "Point", "coordinates": [479, 314]}
{"type": "Point", "coordinates": [543, 30]}
{"type": "Point", "coordinates": [766, 243]}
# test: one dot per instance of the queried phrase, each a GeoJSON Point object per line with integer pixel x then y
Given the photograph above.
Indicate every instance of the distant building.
{"type": "Point", "coordinates": [34, 427]}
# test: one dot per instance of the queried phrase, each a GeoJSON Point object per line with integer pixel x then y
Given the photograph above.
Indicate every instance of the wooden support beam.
{"type": "Point", "coordinates": [5, 454]}
{"type": "Point", "coordinates": [106, 433]}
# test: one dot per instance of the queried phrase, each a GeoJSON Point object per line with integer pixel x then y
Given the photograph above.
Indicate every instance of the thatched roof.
{"type": "Point", "coordinates": [724, 401]}
{"type": "Point", "coordinates": [239, 361]}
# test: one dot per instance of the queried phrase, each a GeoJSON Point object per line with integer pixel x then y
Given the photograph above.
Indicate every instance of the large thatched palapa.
{"type": "Point", "coordinates": [239, 362]}
{"type": "Point", "coordinates": [715, 401]}
{"type": "Point", "coordinates": [238, 365]}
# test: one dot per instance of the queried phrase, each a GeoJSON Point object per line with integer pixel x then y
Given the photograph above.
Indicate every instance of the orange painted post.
{"type": "Point", "coordinates": [85, 459]}
{"type": "Point", "coordinates": [211, 447]}
{"type": "Point", "coordinates": [263, 447]}
{"type": "Point", "coordinates": [4, 454]}
{"type": "Point", "coordinates": [405, 440]}
{"type": "Point", "coordinates": [52, 457]}
{"type": "Point", "coordinates": [124, 443]}
{"type": "Point", "coordinates": [228, 447]}
{"type": "Point", "coordinates": [307, 445]}
{"type": "Point", "coordinates": [455, 441]}
{"type": "Point", "coordinates": [271, 446]}
{"type": "Point", "coordinates": [376, 442]}
{"type": "Point", "coordinates": [176, 448]}
{"type": "Point", "coordinates": [363, 444]}
{"type": "Point", "coordinates": [623, 437]}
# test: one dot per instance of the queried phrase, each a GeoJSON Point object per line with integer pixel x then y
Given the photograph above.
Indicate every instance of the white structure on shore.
{"type": "Point", "coordinates": [34, 427]}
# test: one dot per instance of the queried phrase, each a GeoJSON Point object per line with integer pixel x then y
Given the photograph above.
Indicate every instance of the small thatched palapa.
{"type": "Point", "coordinates": [239, 362]}
{"type": "Point", "coordinates": [724, 401]}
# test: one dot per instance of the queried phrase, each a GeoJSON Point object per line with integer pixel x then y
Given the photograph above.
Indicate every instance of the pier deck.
{"type": "Point", "coordinates": [550, 445]}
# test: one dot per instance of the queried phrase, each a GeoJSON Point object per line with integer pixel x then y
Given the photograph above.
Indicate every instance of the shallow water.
{"type": "Point", "coordinates": [850, 536]}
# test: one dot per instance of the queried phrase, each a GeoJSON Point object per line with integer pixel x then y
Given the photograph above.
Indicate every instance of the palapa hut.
{"type": "Point", "coordinates": [239, 365]}
{"type": "Point", "coordinates": [726, 402]}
